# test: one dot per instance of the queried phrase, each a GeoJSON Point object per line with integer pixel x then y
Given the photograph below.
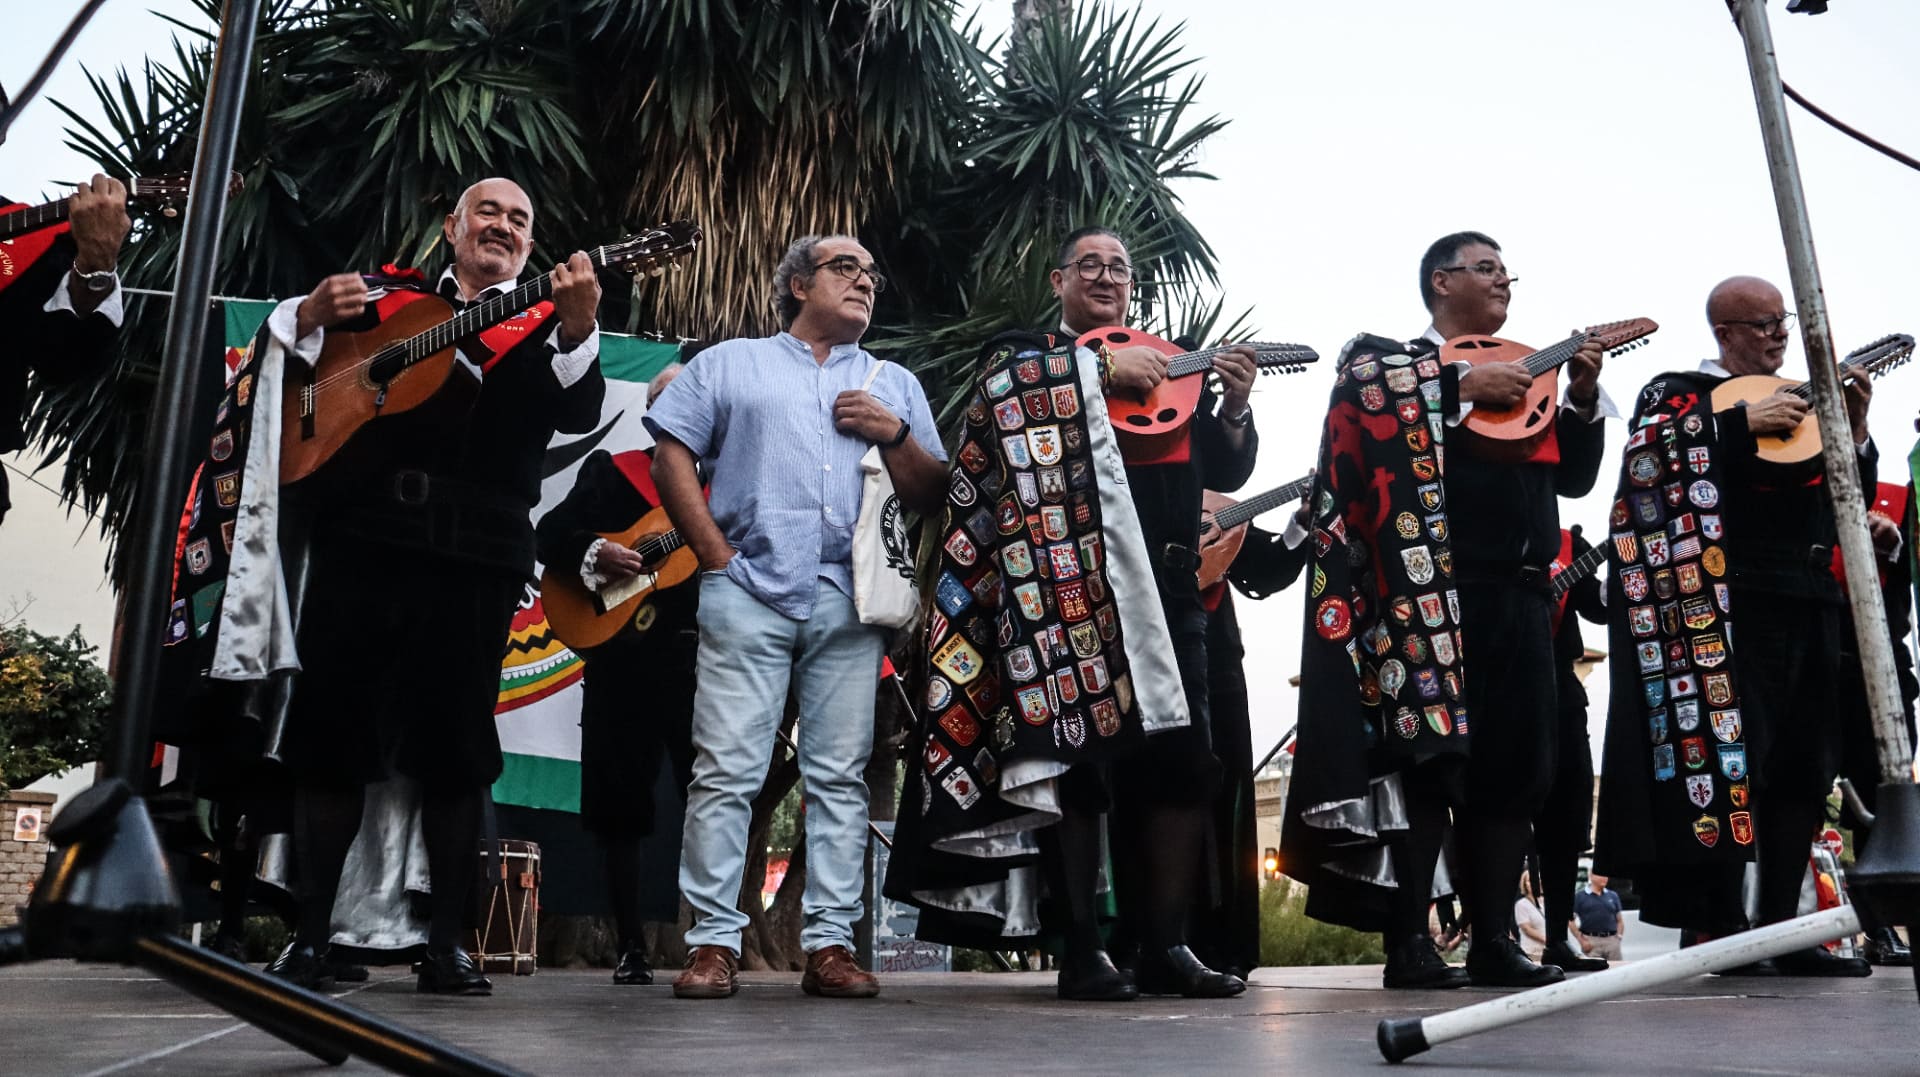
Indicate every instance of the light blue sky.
{"type": "Point", "coordinates": [1612, 149]}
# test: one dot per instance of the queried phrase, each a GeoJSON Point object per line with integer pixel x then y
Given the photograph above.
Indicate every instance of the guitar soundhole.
{"type": "Point", "coordinates": [1167, 415]}
{"type": "Point", "coordinates": [1120, 337]}
{"type": "Point", "coordinates": [1142, 420]}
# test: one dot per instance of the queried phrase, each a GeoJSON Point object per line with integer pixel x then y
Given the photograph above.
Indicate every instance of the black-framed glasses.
{"type": "Point", "coordinates": [1090, 268]}
{"type": "Point", "coordinates": [847, 267]}
{"type": "Point", "coordinates": [1765, 326]}
{"type": "Point", "coordinates": [1489, 270]}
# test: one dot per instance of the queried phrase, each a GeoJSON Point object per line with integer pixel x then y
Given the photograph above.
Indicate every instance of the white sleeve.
{"type": "Point", "coordinates": [1295, 534]}
{"type": "Point", "coordinates": [284, 322]}
{"type": "Point", "coordinates": [1465, 406]}
{"type": "Point", "coordinates": [571, 366]}
{"type": "Point", "coordinates": [113, 308]}
{"type": "Point", "coordinates": [1603, 407]}
{"type": "Point", "coordinates": [590, 566]}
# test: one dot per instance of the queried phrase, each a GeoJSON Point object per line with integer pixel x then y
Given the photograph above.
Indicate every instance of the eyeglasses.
{"type": "Point", "coordinates": [848, 268]}
{"type": "Point", "coordinates": [1764, 326]}
{"type": "Point", "coordinates": [1489, 270]}
{"type": "Point", "coordinates": [1090, 269]}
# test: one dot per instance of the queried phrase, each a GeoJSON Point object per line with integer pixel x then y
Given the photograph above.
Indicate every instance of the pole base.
{"type": "Point", "coordinates": [1400, 1039]}
{"type": "Point", "coordinates": [1885, 879]}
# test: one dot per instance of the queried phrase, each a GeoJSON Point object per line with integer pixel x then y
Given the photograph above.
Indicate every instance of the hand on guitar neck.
{"type": "Point", "coordinates": [617, 563]}
{"type": "Point", "coordinates": [1139, 370]}
{"type": "Point", "coordinates": [1505, 385]}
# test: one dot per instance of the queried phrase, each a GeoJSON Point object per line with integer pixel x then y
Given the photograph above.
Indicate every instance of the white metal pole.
{"type": "Point", "coordinates": [1842, 482]}
{"type": "Point", "coordinates": [1410, 1036]}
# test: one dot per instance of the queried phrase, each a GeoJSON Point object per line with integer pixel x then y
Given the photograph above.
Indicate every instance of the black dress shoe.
{"type": "Point", "coordinates": [1885, 948]}
{"type": "Point", "coordinates": [228, 946]}
{"type": "Point", "coordinates": [452, 973]}
{"type": "Point", "coordinates": [1563, 956]}
{"type": "Point", "coordinates": [633, 968]}
{"type": "Point", "coordinates": [1176, 971]}
{"type": "Point", "coordinates": [1501, 963]}
{"type": "Point", "coordinates": [1762, 967]}
{"type": "Point", "coordinates": [1819, 961]}
{"type": "Point", "coordinates": [300, 966]}
{"type": "Point", "coordinates": [1094, 979]}
{"type": "Point", "coordinates": [1416, 963]}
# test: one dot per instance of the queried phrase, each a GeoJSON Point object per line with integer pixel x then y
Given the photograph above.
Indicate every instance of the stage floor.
{"type": "Point", "coordinates": [66, 1019]}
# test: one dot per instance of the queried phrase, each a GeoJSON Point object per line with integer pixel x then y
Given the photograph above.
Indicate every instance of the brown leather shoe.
{"type": "Point", "coordinates": [833, 973]}
{"type": "Point", "coordinates": [711, 972]}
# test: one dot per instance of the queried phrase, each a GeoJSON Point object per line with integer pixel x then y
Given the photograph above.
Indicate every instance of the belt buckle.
{"type": "Point", "coordinates": [1532, 576]}
{"type": "Point", "coordinates": [1179, 558]}
{"type": "Point", "coordinates": [411, 487]}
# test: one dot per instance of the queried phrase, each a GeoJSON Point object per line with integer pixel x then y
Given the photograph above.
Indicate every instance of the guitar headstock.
{"type": "Point", "coordinates": [1881, 355]}
{"type": "Point", "coordinates": [653, 250]}
{"type": "Point", "coordinates": [166, 193]}
{"type": "Point", "coordinates": [1616, 337]}
{"type": "Point", "coordinates": [1282, 358]}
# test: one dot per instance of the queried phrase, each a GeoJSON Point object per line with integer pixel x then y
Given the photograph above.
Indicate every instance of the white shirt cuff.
{"type": "Point", "coordinates": [112, 307]}
{"type": "Point", "coordinates": [571, 366]}
{"type": "Point", "coordinates": [284, 322]}
{"type": "Point", "coordinates": [590, 565]}
{"type": "Point", "coordinates": [1295, 534]}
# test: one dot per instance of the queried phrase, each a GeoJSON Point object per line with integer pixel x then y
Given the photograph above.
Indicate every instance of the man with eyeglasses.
{"type": "Point", "coordinates": [1067, 597]}
{"type": "Point", "coordinates": [1505, 531]}
{"type": "Point", "coordinates": [1778, 533]}
{"type": "Point", "coordinates": [781, 423]}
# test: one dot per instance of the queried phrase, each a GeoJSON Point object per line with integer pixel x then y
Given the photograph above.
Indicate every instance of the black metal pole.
{"type": "Point", "coordinates": [163, 479]}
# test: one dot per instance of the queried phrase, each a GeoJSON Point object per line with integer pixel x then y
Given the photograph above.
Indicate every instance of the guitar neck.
{"type": "Point", "coordinates": [486, 314]}
{"type": "Point", "coordinates": [660, 545]}
{"type": "Point", "coordinates": [1804, 390]}
{"type": "Point", "coordinates": [1234, 515]}
{"type": "Point", "coordinates": [21, 221]}
{"type": "Point", "coordinates": [1582, 567]}
{"type": "Point", "coordinates": [1265, 355]}
{"type": "Point", "coordinates": [1554, 356]}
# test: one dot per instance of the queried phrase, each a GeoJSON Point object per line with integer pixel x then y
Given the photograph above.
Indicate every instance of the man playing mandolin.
{"type": "Point", "coordinates": [1779, 737]}
{"type": "Point", "coordinates": [421, 546]}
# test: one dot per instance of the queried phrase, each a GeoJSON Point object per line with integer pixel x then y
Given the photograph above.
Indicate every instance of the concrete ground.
{"type": "Point", "coordinates": [67, 1019]}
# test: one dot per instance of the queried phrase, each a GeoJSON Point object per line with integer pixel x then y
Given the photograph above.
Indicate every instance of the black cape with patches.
{"type": "Point", "coordinates": [1380, 685]}
{"type": "Point", "coordinates": [1675, 806]}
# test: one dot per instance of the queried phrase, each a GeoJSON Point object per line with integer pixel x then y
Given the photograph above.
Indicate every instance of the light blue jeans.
{"type": "Point", "coordinates": [748, 655]}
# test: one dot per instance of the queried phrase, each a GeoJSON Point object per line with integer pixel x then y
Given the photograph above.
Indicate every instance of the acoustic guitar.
{"type": "Point", "coordinates": [1223, 525]}
{"type": "Point", "coordinates": [583, 619]}
{"type": "Point", "coordinates": [402, 362]}
{"type": "Point", "coordinates": [1149, 427]}
{"type": "Point", "coordinates": [1512, 434]}
{"type": "Point", "coordinates": [164, 192]}
{"type": "Point", "coordinates": [1802, 444]}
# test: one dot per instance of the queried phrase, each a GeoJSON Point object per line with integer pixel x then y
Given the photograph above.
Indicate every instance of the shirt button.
{"type": "Point", "coordinates": [826, 467]}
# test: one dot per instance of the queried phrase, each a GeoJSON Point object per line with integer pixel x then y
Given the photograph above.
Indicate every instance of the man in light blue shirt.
{"type": "Point", "coordinates": [781, 423]}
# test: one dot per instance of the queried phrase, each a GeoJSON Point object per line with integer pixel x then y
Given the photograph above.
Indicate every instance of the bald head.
{"type": "Point", "coordinates": [491, 233]}
{"type": "Point", "coordinates": [661, 380]}
{"type": "Point", "coordinates": [1748, 319]}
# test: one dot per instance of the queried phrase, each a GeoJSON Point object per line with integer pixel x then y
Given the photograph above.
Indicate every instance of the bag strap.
{"type": "Point", "coordinates": [872, 374]}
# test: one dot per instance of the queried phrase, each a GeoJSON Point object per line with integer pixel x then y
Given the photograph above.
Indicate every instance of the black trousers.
{"type": "Point", "coordinates": [1511, 693]}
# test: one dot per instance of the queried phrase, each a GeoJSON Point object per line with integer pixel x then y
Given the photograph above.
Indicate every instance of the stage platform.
{"type": "Point", "coordinates": [62, 1019]}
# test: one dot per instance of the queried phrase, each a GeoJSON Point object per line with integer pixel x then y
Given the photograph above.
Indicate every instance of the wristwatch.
{"type": "Point", "coordinates": [1242, 419]}
{"type": "Point", "coordinates": [901, 438]}
{"type": "Point", "coordinates": [101, 281]}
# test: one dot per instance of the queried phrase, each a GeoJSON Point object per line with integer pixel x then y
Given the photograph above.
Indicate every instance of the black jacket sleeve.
{"type": "Point", "coordinates": [60, 347]}
{"type": "Point", "coordinates": [601, 500]}
{"type": "Point", "coordinates": [1222, 467]}
{"type": "Point", "coordinates": [1264, 565]}
{"type": "Point", "coordinates": [573, 409]}
{"type": "Point", "coordinates": [1582, 444]}
{"type": "Point", "coordinates": [1587, 598]}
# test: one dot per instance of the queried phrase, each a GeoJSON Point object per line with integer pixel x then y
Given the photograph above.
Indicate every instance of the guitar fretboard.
{"type": "Point", "coordinates": [1583, 566]}
{"type": "Point", "coordinates": [1264, 354]}
{"type": "Point", "coordinates": [1552, 356]}
{"type": "Point", "coordinates": [1234, 515]}
{"type": "Point", "coordinates": [485, 314]}
{"type": "Point", "coordinates": [1875, 359]}
{"type": "Point", "coordinates": [33, 218]}
{"type": "Point", "coordinates": [660, 545]}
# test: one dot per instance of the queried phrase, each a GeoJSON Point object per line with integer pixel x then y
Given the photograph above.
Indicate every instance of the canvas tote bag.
{"type": "Point", "coordinates": [883, 591]}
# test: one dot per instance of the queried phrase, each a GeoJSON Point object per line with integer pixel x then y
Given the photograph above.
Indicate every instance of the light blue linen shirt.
{"type": "Point", "coordinates": [786, 484]}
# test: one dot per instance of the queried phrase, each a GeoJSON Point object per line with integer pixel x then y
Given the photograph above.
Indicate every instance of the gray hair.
{"type": "Point", "coordinates": [797, 262]}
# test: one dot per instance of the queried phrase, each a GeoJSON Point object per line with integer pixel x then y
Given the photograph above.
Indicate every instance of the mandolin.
{"type": "Point", "coordinates": [402, 362]}
{"type": "Point", "coordinates": [1512, 434]}
{"type": "Point", "coordinates": [165, 192]}
{"type": "Point", "coordinates": [583, 619]}
{"type": "Point", "coordinates": [1149, 427]}
{"type": "Point", "coordinates": [1223, 525]}
{"type": "Point", "coordinates": [1802, 443]}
